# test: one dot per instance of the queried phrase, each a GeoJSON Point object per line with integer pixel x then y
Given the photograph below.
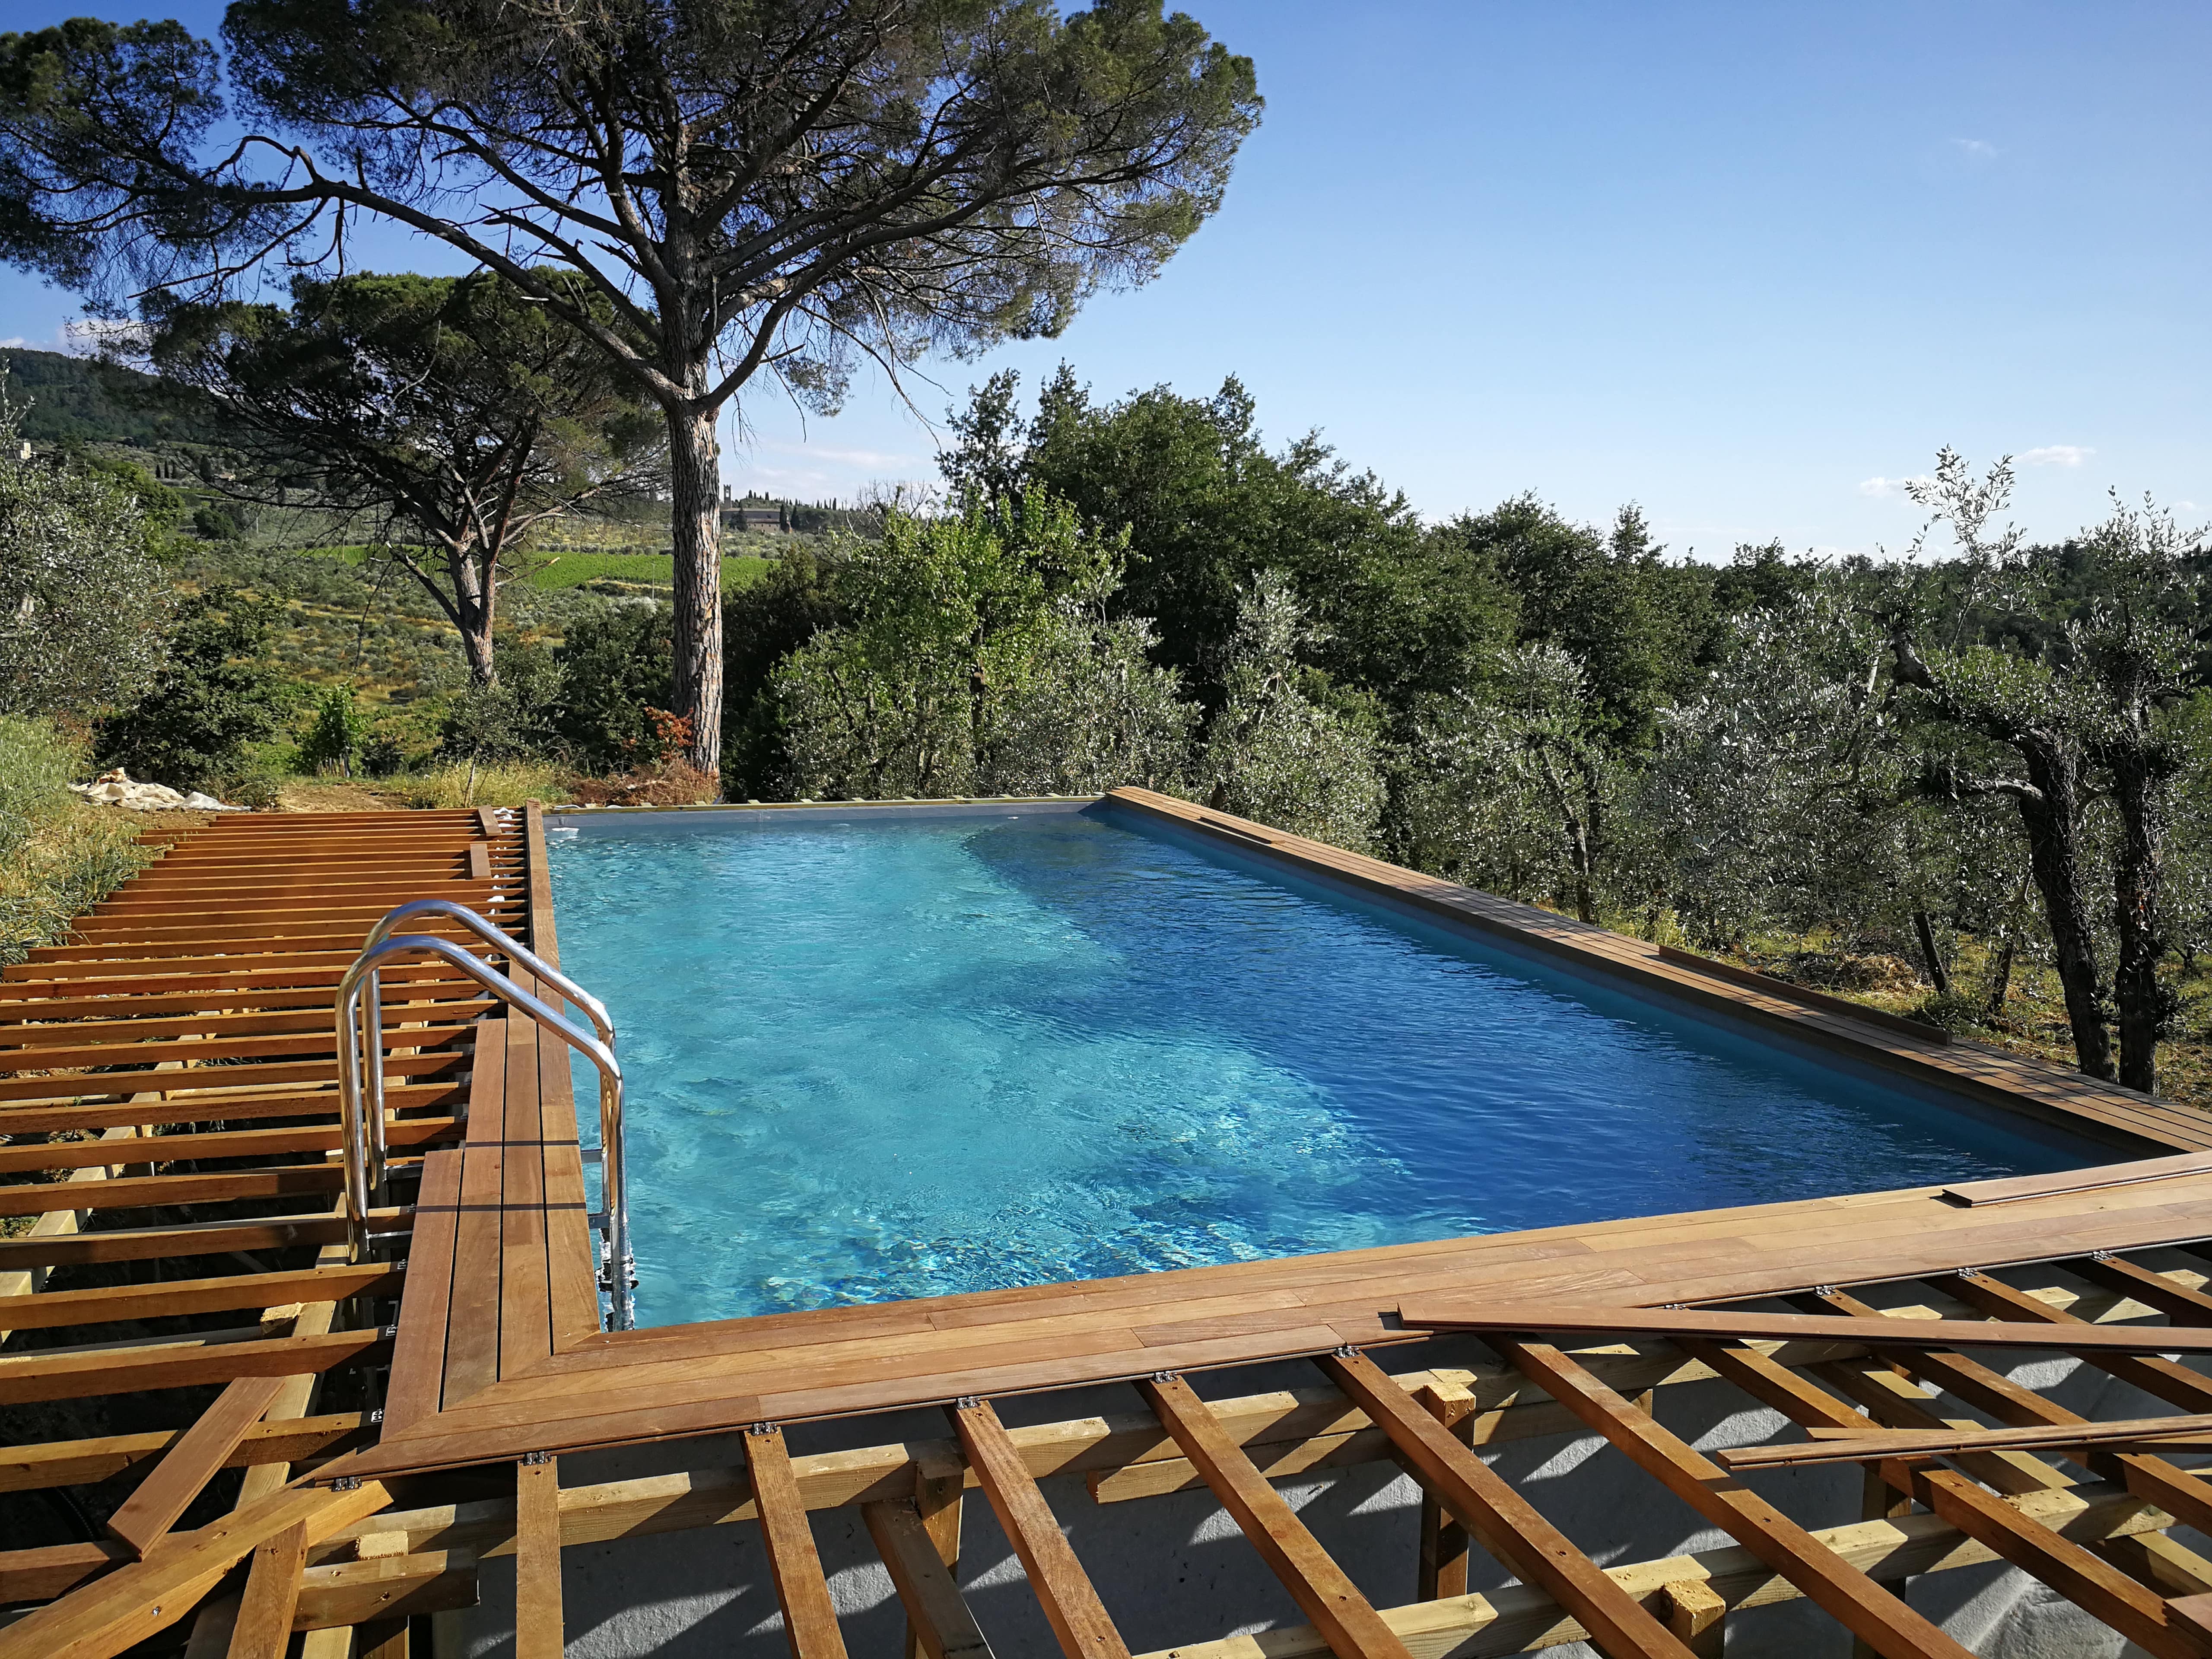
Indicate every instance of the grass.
{"type": "Point", "coordinates": [504, 784]}
{"type": "Point", "coordinates": [59, 856]}
{"type": "Point", "coordinates": [637, 570]}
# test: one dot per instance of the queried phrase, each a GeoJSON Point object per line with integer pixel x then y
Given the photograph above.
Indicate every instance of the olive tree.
{"type": "Point", "coordinates": [2074, 691]}
{"type": "Point", "coordinates": [1279, 750]}
{"type": "Point", "coordinates": [751, 186]}
{"type": "Point", "coordinates": [83, 600]}
{"type": "Point", "coordinates": [980, 659]}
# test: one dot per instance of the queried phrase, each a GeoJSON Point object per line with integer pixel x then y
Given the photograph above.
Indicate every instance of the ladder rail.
{"type": "Point", "coordinates": [364, 1169]}
{"type": "Point", "coordinates": [373, 1042]}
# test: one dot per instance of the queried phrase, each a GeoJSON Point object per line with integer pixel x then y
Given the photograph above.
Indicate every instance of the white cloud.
{"type": "Point", "coordinates": [1889, 487]}
{"type": "Point", "coordinates": [2057, 455]}
{"type": "Point", "coordinates": [14, 342]}
{"type": "Point", "coordinates": [1977, 149]}
{"type": "Point", "coordinates": [875, 460]}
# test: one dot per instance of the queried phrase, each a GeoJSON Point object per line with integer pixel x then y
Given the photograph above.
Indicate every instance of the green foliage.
{"type": "Point", "coordinates": [58, 856]}
{"type": "Point", "coordinates": [615, 672]}
{"type": "Point", "coordinates": [216, 693]}
{"type": "Point", "coordinates": [1641, 628]}
{"type": "Point", "coordinates": [79, 400]}
{"type": "Point", "coordinates": [1277, 751]}
{"type": "Point", "coordinates": [800, 598]}
{"type": "Point", "coordinates": [83, 598]}
{"type": "Point", "coordinates": [339, 729]}
{"type": "Point", "coordinates": [975, 660]}
{"type": "Point", "coordinates": [1205, 507]}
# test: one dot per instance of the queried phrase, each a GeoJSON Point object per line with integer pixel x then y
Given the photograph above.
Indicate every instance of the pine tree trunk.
{"type": "Point", "coordinates": [695, 527]}
{"type": "Point", "coordinates": [474, 598]}
{"type": "Point", "coordinates": [2054, 847]}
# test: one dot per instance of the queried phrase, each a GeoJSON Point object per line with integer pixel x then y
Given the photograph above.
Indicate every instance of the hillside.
{"type": "Point", "coordinates": [74, 400]}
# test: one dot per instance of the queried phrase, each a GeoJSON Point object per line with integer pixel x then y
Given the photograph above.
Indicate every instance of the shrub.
{"type": "Point", "coordinates": [1277, 751]}
{"type": "Point", "coordinates": [336, 737]}
{"type": "Point", "coordinates": [59, 856]}
{"type": "Point", "coordinates": [617, 668]}
{"type": "Point", "coordinates": [217, 694]}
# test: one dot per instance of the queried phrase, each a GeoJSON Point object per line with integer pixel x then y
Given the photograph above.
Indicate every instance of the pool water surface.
{"type": "Point", "coordinates": [871, 1062]}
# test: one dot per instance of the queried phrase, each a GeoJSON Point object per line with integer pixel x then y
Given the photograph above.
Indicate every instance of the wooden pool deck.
{"type": "Point", "coordinates": [348, 1392]}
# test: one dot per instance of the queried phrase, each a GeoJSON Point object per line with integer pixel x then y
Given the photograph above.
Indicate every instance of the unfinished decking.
{"type": "Point", "coordinates": [226, 955]}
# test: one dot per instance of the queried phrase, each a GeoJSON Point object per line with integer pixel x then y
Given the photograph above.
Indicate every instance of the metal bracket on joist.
{"type": "Point", "coordinates": [534, 1458]}
{"type": "Point", "coordinates": [1824, 1290]}
{"type": "Point", "coordinates": [346, 1483]}
{"type": "Point", "coordinates": [763, 1428]}
{"type": "Point", "coordinates": [967, 1403]}
{"type": "Point", "coordinates": [1165, 1377]}
{"type": "Point", "coordinates": [1346, 1351]}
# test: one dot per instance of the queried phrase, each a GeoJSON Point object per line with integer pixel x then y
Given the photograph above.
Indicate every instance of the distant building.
{"type": "Point", "coordinates": [755, 513]}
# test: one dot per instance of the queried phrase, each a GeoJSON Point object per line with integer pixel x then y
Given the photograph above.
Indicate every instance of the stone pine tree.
{"type": "Point", "coordinates": [450, 413]}
{"type": "Point", "coordinates": [785, 187]}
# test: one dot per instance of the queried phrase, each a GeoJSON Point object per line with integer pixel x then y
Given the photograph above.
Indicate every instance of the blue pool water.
{"type": "Point", "coordinates": [885, 1060]}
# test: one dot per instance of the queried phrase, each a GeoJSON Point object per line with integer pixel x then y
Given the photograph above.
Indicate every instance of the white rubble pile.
{"type": "Point", "coordinates": [117, 788]}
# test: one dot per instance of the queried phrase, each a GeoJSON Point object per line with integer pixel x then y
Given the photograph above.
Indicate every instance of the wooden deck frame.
{"type": "Point", "coordinates": [229, 950]}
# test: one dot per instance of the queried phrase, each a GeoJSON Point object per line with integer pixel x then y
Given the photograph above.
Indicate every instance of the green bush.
{"type": "Point", "coordinates": [217, 695]}
{"type": "Point", "coordinates": [336, 737]}
{"type": "Point", "coordinates": [59, 856]}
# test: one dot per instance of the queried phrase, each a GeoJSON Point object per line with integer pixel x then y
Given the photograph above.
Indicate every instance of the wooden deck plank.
{"type": "Point", "coordinates": [472, 1317]}
{"type": "Point", "coordinates": [199, 1454]}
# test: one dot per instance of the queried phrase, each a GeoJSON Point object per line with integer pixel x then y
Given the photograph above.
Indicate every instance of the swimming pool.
{"type": "Point", "coordinates": [871, 1061]}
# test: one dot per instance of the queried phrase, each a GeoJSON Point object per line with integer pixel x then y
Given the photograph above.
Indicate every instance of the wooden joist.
{"type": "Point", "coordinates": [76, 1376]}
{"type": "Point", "coordinates": [538, 1630]}
{"type": "Point", "coordinates": [1063, 1590]}
{"type": "Point", "coordinates": [936, 1613]}
{"type": "Point", "coordinates": [1506, 1523]}
{"type": "Point", "coordinates": [82, 1462]}
{"type": "Point", "coordinates": [188, 1239]}
{"type": "Point", "coordinates": [1324, 1591]}
{"type": "Point", "coordinates": [262, 1627]}
{"type": "Point", "coordinates": [1854, 1444]}
{"type": "Point", "coordinates": [810, 1618]}
{"type": "Point", "coordinates": [144, 1598]}
{"type": "Point", "coordinates": [1886, 1624]}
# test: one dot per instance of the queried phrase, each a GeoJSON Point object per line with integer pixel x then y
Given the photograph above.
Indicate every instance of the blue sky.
{"type": "Point", "coordinates": [1746, 264]}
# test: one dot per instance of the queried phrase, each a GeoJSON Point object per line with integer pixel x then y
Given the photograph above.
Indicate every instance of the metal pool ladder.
{"type": "Point", "coordinates": [360, 1016]}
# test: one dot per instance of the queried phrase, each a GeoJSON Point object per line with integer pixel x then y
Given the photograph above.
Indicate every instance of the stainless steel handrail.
{"type": "Point", "coordinates": [361, 1188]}
{"type": "Point", "coordinates": [372, 1041]}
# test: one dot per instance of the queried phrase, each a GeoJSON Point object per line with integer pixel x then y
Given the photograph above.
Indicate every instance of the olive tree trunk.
{"type": "Point", "coordinates": [2137, 790]}
{"type": "Point", "coordinates": [2052, 815]}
